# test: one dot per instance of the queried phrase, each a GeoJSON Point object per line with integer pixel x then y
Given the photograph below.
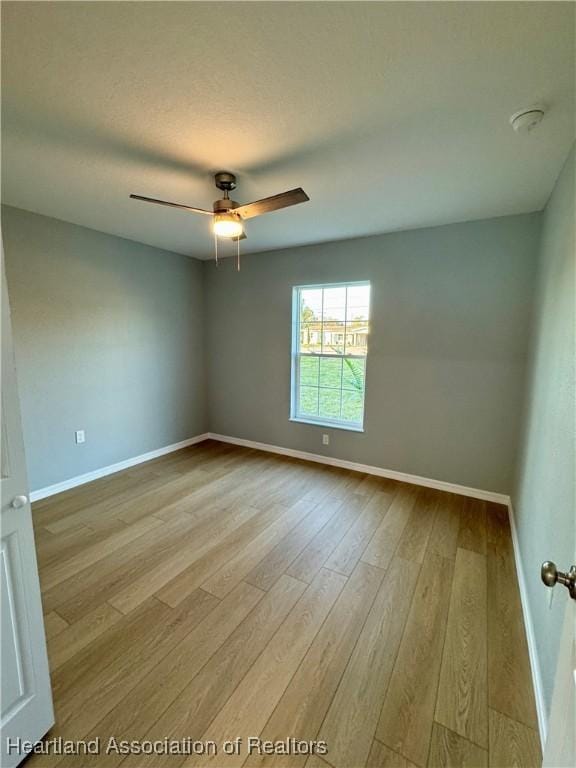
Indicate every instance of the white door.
{"type": "Point", "coordinates": [560, 749]}
{"type": "Point", "coordinates": [26, 697]}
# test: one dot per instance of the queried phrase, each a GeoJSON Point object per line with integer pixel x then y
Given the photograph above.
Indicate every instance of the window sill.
{"type": "Point", "coordinates": [327, 424]}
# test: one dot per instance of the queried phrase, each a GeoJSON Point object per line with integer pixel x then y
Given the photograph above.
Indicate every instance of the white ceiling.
{"type": "Point", "coordinates": [390, 115]}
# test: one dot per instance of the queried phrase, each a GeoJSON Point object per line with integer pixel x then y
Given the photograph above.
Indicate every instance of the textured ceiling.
{"type": "Point", "coordinates": [390, 115]}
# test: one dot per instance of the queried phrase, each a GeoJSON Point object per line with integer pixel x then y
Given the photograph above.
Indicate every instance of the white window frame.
{"type": "Point", "coordinates": [321, 421]}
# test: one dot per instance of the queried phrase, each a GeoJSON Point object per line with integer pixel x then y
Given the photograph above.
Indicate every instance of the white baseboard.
{"type": "Point", "coordinates": [65, 485]}
{"type": "Point", "coordinates": [530, 636]}
{"type": "Point", "coordinates": [403, 477]}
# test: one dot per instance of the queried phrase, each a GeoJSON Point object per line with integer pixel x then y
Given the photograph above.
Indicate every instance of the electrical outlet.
{"type": "Point", "coordinates": [325, 439]}
{"type": "Point", "coordinates": [80, 436]}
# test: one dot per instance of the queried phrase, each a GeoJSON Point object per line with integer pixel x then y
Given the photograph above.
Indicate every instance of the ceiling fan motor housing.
{"type": "Point", "coordinates": [225, 180]}
{"type": "Point", "coordinates": [221, 206]}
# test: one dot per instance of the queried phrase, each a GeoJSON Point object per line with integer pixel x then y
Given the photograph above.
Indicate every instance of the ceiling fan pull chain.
{"type": "Point", "coordinates": [238, 254]}
{"type": "Point", "coordinates": [216, 247]}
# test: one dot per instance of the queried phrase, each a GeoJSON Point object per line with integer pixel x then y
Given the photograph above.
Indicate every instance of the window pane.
{"type": "Point", "coordinates": [330, 403]}
{"type": "Point", "coordinates": [311, 337]}
{"type": "Point", "coordinates": [330, 372]}
{"type": "Point", "coordinates": [308, 401]}
{"type": "Point", "coordinates": [356, 338]}
{"type": "Point", "coordinates": [310, 305]}
{"type": "Point", "coordinates": [335, 303]}
{"type": "Point", "coordinates": [352, 406]}
{"type": "Point", "coordinates": [353, 374]}
{"type": "Point", "coordinates": [333, 337]}
{"type": "Point", "coordinates": [309, 367]}
{"type": "Point", "coordinates": [358, 302]}
{"type": "Point", "coordinates": [357, 312]}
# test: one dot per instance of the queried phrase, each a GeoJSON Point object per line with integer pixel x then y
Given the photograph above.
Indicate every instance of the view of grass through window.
{"type": "Point", "coordinates": [331, 336]}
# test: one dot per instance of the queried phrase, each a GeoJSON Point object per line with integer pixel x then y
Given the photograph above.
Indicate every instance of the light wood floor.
{"type": "Point", "coordinates": [221, 592]}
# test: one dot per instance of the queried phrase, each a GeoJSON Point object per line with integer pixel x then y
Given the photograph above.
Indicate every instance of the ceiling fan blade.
{"type": "Point", "coordinates": [172, 205]}
{"type": "Point", "coordinates": [240, 237]}
{"type": "Point", "coordinates": [274, 203]}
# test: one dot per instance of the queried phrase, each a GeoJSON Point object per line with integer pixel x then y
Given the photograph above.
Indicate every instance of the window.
{"type": "Point", "coordinates": [329, 348]}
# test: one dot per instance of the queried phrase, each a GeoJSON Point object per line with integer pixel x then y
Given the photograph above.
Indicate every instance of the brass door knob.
{"type": "Point", "coordinates": [551, 576]}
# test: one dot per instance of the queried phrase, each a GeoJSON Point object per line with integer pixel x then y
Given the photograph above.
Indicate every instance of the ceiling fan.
{"type": "Point", "coordinates": [228, 216]}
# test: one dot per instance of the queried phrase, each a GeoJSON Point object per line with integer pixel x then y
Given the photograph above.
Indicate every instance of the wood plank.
{"type": "Point", "coordinates": [291, 484]}
{"type": "Point", "coordinates": [101, 513]}
{"type": "Point", "coordinates": [61, 570]}
{"type": "Point", "coordinates": [106, 489]}
{"type": "Point", "coordinates": [265, 574]}
{"type": "Point", "coordinates": [54, 508]}
{"type": "Point", "coordinates": [240, 486]}
{"type": "Point", "coordinates": [81, 634]}
{"type": "Point", "coordinates": [415, 536]}
{"type": "Point", "coordinates": [248, 709]}
{"type": "Point", "coordinates": [54, 624]}
{"type": "Point", "coordinates": [196, 692]}
{"type": "Point", "coordinates": [193, 563]}
{"type": "Point", "coordinates": [382, 546]}
{"type": "Point", "coordinates": [96, 678]}
{"type": "Point", "coordinates": [449, 750]}
{"type": "Point", "coordinates": [105, 525]}
{"type": "Point", "coordinates": [513, 744]}
{"type": "Point", "coordinates": [509, 676]}
{"type": "Point", "coordinates": [210, 494]}
{"type": "Point", "coordinates": [245, 483]}
{"type": "Point", "coordinates": [164, 700]}
{"type": "Point", "coordinates": [133, 631]}
{"type": "Point", "coordinates": [371, 484]}
{"type": "Point", "coordinates": [472, 533]}
{"type": "Point", "coordinates": [214, 556]}
{"type": "Point", "coordinates": [236, 569]}
{"type": "Point", "coordinates": [444, 537]}
{"type": "Point", "coordinates": [351, 722]}
{"type": "Point", "coordinates": [227, 484]}
{"type": "Point", "coordinates": [314, 556]}
{"type": "Point", "coordinates": [304, 704]}
{"type": "Point", "coordinates": [315, 761]}
{"type": "Point", "coordinates": [86, 586]}
{"type": "Point", "coordinates": [406, 720]}
{"type": "Point", "coordinates": [462, 703]}
{"type": "Point", "coordinates": [104, 687]}
{"type": "Point", "coordinates": [50, 547]}
{"type": "Point", "coordinates": [75, 597]}
{"type": "Point", "coordinates": [161, 500]}
{"type": "Point", "coordinates": [346, 483]}
{"type": "Point", "coordinates": [323, 484]}
{"type": "Point", "coordinates": [382, 757]}
{"type": "Point", "coordinates": [350, 550]}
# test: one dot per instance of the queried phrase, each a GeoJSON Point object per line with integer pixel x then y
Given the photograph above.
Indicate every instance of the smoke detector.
{"type": "Point", "coordinates": [525, 120]}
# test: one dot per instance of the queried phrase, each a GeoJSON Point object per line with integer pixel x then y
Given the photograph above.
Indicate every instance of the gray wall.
{"type": "Point", "coordinates": [451, 309]}
{"type": "Point", "coordinates": [119, 339]}
{"type": "Point", "coordinates": [108, 337]}
{"type": "Point", "coordinates": [544, 498]}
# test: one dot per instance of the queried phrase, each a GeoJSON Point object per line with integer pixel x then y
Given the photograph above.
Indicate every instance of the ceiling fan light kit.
{"type": "Point", "coordinates": [228, 215]}
{"type": "Point", "coordinates": [227, 225]}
